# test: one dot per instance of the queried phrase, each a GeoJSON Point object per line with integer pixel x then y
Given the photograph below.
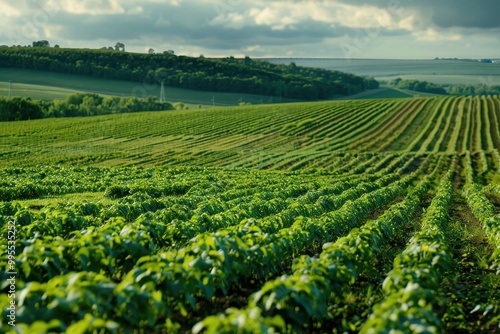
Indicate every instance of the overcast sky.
{"type": "Point", "coordinates": [257, 28]}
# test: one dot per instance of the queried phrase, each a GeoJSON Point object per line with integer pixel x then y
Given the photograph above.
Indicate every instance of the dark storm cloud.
{"type": "Point", "coordinates": [467, 14]}
{"type": "Point", "coordinates": [445, 13]}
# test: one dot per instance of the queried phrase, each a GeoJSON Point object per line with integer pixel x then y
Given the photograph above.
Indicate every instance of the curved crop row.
{"type": "Point", "coordinates": [411, 302]}
{"type": "Point", "coordinates": [375, 136]}
{"type": "Point", "coordinates": [291, 303]}
{"type": "Point", "coordinates": [173, 281]}
{"type": "Point", "coordinates": [484, 211]}
{"type": "Point", "coordinates": [104, 248]}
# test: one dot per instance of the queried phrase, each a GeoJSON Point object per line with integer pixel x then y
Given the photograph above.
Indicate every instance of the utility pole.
{"type": "Point", "coordinates": [10, 88]}
{"type": "Point", "coordinates": [213, 101]}
{"type": "Point", "coordinates": [162, 93]}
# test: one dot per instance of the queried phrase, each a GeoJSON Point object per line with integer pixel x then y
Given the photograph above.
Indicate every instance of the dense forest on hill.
{"type": "Point", "coordinates": [222, 75]}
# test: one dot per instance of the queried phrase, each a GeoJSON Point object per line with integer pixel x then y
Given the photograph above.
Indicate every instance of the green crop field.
{"type": "Point", "coordinates": [327, 217]}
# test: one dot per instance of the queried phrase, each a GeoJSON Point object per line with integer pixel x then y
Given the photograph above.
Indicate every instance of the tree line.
{"type": "Point", "coordinates": [221, 75]}
{"type": "Point", "coordinates": [446, 89]}
{"type": "Point", "coordinates": [79, 104]}
{"type": "Point", "coordinates": [418, 86]}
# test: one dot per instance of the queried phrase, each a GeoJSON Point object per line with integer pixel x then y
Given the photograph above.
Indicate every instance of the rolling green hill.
{"type": "Point", "coordinates": [203, 74]}
{"type": "Point", "coordinates": [276, 136]}
{"type": "Point", "coordinates": [45, 85]}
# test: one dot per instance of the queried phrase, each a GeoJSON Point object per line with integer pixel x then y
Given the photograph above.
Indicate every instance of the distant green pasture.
{"type": "Point", "coordinates": [48, 85]}
{"type": "Point", "coordinates": [437, 71]}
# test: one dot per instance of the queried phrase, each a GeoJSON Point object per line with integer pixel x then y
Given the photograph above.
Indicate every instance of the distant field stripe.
{"type": "Point", "coordinates": [474, 140]}
{"type": "Point", "coordinates": [479, 125]}
{"type": "Point", "coordinates": [466, 124]}
{"type": "Point", "coordinates": [443, 142]}
{"type": "Point", "coordinates": [285, 121]}
{"type": "Point", "coordinates": [336, 127]}
{"type": "Point", "coordinates": [380, 132]}
{"type": "Point", "coordinates": [401, 141]}
{"type": "Point", "coordinates": [375, 112]}
{"type": "Point", "coordinates": [377, 139]}
{"type": "Point", "coordinates": [333, 125]}
{"type": "Point", "coordinates": [496, 99]}
{"type": "Point", "coordinates": [494, 116]}
{"type": "Point", "coordinates": [438, 127]}
{"type": "Point", "coordinates": [327, 124]}
{"type": "Point", "coordinates": [307, 122]}
{"type": "Point", "coordinates": [356, 129]}
{"type": "Point", "coordinates": [402, 122]}
{"type": "Point", "coordinates": [487, 121]}
{"type": "Point", "coordinates": [454, 142]}
{"type": "Point", "coordinates": [423, 135]}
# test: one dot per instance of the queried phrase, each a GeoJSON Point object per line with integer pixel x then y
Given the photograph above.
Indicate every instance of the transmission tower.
{"type": "Point", "coordinates": [162, 93]}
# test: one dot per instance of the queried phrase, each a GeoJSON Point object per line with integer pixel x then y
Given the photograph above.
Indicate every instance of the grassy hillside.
{"type": "Point", "coordinates": [49, 85]}
{"type": "Point", "coordinates": [44, 85]}
{"type": "Point", "coordinates": [198, 73]}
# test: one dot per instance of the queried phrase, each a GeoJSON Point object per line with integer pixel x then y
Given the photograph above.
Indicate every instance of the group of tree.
{"type": "Point", "coordinates": [479, 89]}
{"type": "Point", "coordinates": [20, 108]}
{"type": "Point", "coordinates": [41, 44]}
{"type": "Point", "coordinates": [199, 73]}
{"type": "Point", "coordinates": [418, 86]}
{"type": "Point", "coordinates": [78, 104]}
{"type": "Point", "coordinates": [446, 89]}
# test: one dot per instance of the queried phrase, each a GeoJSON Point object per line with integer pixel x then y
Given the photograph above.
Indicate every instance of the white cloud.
{"type": "Point", "coordinates": [433, 35]}
{"type": "Point", "coordinates": [230, 20]}
{"type": "Point", "coordinates": [252, 48]}
{"type": "Point", "coordinates": [9, 11]}
{"type": "Point", "coordinates": [274, 17]}
{"type": "Point", "coordinates": [92, 7]}
{"type": "Point", "coordinates": [282, 15]}
{"type": "Point", "coordinates": [135, 10]}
